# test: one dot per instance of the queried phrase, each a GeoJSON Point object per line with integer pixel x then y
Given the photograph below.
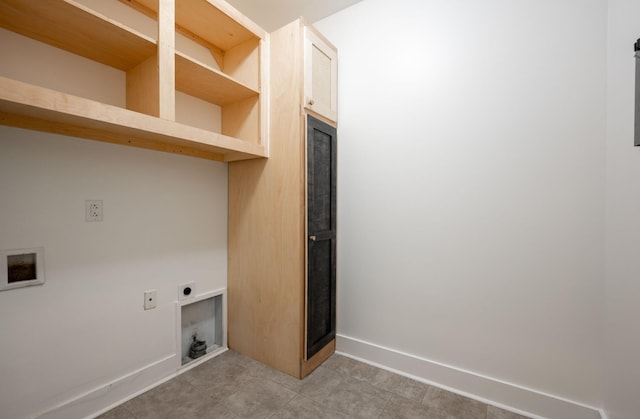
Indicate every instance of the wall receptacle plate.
{"type": "Point", "coordinates": [186, 291]}
{"type": "Point", "coordinates": [93, 210]}
{"type": "Point", "coordinates": [150, 299]}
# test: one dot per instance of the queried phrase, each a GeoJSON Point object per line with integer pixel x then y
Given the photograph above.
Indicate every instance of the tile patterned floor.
{"type": "Point", "coordinates": [232, 386]}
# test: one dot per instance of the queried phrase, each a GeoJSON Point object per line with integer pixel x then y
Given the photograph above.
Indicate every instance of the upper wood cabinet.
{"type": "Point", "coordinates": [193, 74]}
{"type": "Point", "coordinates": [320, 74]}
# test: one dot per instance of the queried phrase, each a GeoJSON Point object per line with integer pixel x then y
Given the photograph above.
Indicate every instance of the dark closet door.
{"type": "Point", "coordinates": [321, 213]}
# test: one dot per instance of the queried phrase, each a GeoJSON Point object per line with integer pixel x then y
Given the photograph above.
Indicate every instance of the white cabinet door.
{"type": "Point", "coordinates": [320, 75]}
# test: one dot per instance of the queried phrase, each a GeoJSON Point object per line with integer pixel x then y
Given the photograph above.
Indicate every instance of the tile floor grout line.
{"type": "Point", "coordinates": [385, 407]}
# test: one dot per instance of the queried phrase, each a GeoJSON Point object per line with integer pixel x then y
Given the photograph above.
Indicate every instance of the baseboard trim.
{"type": "Point", "coordinates": [91, 403]}
{"type": "Point", "coordinates": [508, 396]}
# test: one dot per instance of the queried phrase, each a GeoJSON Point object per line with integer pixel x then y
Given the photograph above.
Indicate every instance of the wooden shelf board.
{"type": "Point", "coordinates": [215, 21]}
{"type": "Point", "coordinates": [199, 80]}
{"type": "Point", "coordinates": [27, 106]}
{"type": "Point", "coordinates": [75, 28]}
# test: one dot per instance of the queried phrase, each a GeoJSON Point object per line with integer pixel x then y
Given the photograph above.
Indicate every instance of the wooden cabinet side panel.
{"type": "Point", "coordinates": [242, 119]}
{"type": "Point", "coordinates": [266, 226]}
{"type": "Point", "coordinates": [242, 62]}
{"type": "Point", "coordinates": [143, 88]}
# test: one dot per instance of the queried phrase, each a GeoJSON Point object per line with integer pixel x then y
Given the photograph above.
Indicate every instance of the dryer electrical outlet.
{"type": "Point", "coordinates": [186, 291]}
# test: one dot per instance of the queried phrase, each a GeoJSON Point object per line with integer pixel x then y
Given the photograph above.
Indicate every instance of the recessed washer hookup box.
{"type": "Point", "coordinates": [21, 268]}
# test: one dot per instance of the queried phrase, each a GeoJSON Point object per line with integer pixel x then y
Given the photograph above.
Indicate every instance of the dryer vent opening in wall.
{"type": "Point", "coordinates": [21, 268]}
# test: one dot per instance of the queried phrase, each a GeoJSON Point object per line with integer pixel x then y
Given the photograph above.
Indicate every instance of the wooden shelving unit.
{"type": "Point", "coordinates": [154, 69]}
{"type": "Point", "coordinates": [77, 29]}
{"type": "Point", "coordinates": [27, 106]}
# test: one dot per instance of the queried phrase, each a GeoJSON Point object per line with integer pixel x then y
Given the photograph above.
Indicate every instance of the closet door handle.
{"type": "Point", "coordinates": [312, 238]}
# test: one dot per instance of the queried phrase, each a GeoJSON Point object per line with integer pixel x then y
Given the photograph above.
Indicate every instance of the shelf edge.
{"type": "Point", "coordinates": [33, 107]}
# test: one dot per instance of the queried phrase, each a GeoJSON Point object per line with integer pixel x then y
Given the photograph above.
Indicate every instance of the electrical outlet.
{"type": "Point", "coordinates": [150, 299]}
{"type": "Point", "coordinates": [93, 210]}
{"type": "Point", "coordinates": [187, 290]}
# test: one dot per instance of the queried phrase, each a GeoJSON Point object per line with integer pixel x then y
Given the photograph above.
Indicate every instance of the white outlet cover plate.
{"type": "Point", "coordinates": [93, 210]}
{"type": "Point", "coordinates": [150, 299]}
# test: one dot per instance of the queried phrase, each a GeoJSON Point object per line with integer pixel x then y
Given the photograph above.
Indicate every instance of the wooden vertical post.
{"type": "Point", "coordinates": [166, 59]}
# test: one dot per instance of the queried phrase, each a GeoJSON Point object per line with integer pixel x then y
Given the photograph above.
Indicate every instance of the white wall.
{"type": "Point", "coordinates": [622, 285]}
{"type": "Point", "coordinates": [164, 224]}
{"type": "Point", "coordinates": [471, 185]}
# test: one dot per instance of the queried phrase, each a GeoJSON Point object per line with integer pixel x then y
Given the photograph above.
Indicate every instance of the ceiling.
{"type": "Point", "coordinates": [272, 14]}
